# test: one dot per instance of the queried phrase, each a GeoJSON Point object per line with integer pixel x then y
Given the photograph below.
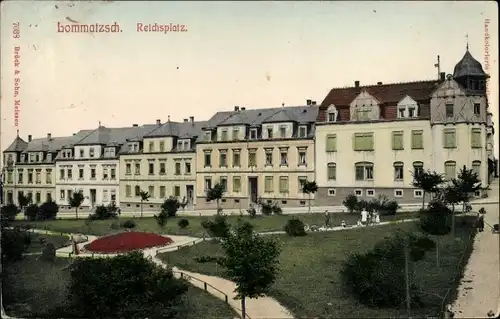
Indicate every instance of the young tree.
{"type": "Point", "coordinates": [428, 181]}
{"type": "Point", "coordinates": [309, 188]}
{"type": "Point", "coordinates": [170, 206]}
{"type": "Point", "coordinates": [144, 198]}
{"type": "Point", "coordinates": [250, 261]}
{"type": "Point", "coordinates": [435, 221]}
{"type": "Point", "coordinates": [161, 219]}
{"type": "Point", "coordinates": [467, 182]}
{"type": "Point", "coordinates": [216, 193]}
{"type": "Point", "coordinates": [76, 201]}
{"type": "Point", "coordinates": [23, 201]}
{"type": "Point", "coordinates": [451, 195]}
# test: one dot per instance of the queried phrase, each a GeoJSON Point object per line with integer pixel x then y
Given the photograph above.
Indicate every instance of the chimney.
{"type": "Point", "coordinates": [191, 119]}
{"type": "Point", "coordinates": [29, 138]}
{"type": "Point", "coordinates": [308, 102]}
{"type": "Point", "coordinates": [243, 108]}
{"type": "Point", "coordinates": [313, 102]}
{"type": "Point", "coordinates": [186, 120]}
{"type": "Point", "coordinates": [236, 108]}
{"type": "Point", "coordinates": [379, 83]}
{"type": "Point", "coordinates": [442, 76]}
{"type": "Point", "coordinates": [158, 122]}
{"type": "Point", "coordinates": [135, 125]}
{"type": "Point", "coordinates": [49, 136]}
{"type": "Point", "coordinates": [356, 84]}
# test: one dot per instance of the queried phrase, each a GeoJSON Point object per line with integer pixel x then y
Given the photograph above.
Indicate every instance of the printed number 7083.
{"type": "Point", "coordinates": [15, 30]}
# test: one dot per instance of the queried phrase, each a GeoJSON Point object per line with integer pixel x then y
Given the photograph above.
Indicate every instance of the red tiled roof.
{"type": "Point", "coordinates": [385, 93]}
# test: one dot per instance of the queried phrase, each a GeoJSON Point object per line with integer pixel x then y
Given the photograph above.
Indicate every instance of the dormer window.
{"type": "Point", "coordinates": [253, 134]}
{"type": "Point", "coordinates": [179, 145]}
{"type": "Point", "coordinates": [269, 132]}
{"type": "Point", "coordinates": [363, 113]}
{"type": "Point", "coordinates": [82, 152]}
{"type": "Point", "coordinates": [236, 134]}
{"type": "Point", "coordinates": [23, 158]}
{"type": "Point", "coordinates": [331, 114]}
{"type": "Point", "coordinates": [49, 157]}
{"type": "Point", "coordinates": [208, 136]}
{"type": "Point", "coordinates": [37, 157]}
{"type": "Point", "coordinates": [282, 131]}
{"type": "Point", "coordinates": [401, 112]}
{"type": "Point", "coordinates": [223, 135]}
{"type": "Point", "coordinates": [407, 108]}
{"type": "Point", "coordinates": [412, 112]}
{"type": "Point", "coordinates": [302, 131]}
{"type": "Point", "coordinates": [186, 145]}
{"type": "Point", "coordinates": [91, 152]}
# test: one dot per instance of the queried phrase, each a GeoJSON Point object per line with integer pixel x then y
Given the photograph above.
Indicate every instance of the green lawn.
{"type": "Point", "coordinates": [309, 284]}
{"type": "Point", "coordinates": [261, 223]}
{"type": "Point", "coordinates": [31, 288]}
{"type": "Point", "coordinates": [38, 242]}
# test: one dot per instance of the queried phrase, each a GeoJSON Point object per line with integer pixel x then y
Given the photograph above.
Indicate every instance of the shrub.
{"type": "Point", "coordinates": [277, 209]}
{"type": "Point", "coordinates": [48, 211]}
{"type": "Point", "coordinates": [103, 212]}
{"type": "Point", "coordinates": [218, 228]}
{"type": "Point", "coordinates": [387, 206]}
{"type": "Point", "coordinates": [32, 212]}
{"type": "Point", "coordinates": [14, 244]}
{"type": "Point", "coordinates": [171, 206]}
{"type": "Point", "coordinates": [252, 212]}
{"type": "Point", "coordinates": [351, 202]}
{"type": "Point", "coordinates": [9, 213]}
{"type": "Point", "coordinates": [161, 218]}
{"type": "Point", "coordinates": [270, 208]}
{"type": "Point", "coordinates": [129, 224]}
{"type": "Point", "coordinates": [49, 252]}
{"type": "Point", "coordinates": [183, 223]}
{"type": "Point", "coordinates": [295, 227]}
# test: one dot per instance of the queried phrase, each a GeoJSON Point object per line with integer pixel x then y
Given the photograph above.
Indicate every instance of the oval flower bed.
{"type": "Point", "coordinates": [126, 242]}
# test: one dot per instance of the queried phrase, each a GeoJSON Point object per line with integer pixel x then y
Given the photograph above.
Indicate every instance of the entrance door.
{"type": "Point", "coordinates": [189, 192]}
{"type": "Point", "coordinates": [253, 189]}
{"type": "Point", "coordinates": [92, 197]}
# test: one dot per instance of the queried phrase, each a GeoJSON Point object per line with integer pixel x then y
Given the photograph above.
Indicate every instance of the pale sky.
{"type": "Point", "coordinates": [252, 54]}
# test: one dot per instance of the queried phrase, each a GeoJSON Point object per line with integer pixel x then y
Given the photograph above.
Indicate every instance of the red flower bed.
{"type": "Point", "coordinates": [128, 241]}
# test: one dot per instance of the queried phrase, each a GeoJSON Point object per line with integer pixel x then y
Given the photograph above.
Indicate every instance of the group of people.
{"type": "Point", "coordinates": [368, 218]}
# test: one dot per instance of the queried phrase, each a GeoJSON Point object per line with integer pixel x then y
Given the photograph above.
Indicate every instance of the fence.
{"type": "Point", "coordinates": [191, 243]}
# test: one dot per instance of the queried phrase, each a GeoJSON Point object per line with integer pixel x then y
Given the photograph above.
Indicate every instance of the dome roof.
{"type": "Point", "coordinates": [468, 66]}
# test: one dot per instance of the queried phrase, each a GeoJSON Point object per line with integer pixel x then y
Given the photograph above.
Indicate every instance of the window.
{"type": "Point", "coordinates": [163, 168]}
{"type": "Point", "coordinates": [252, 158]}
{"type": "Point", "coordinates": [70, 194]}
{"type": "Point", "coordinates": [207, 136]}
{"type": "Point", "coordinates": [332, 192]}
{"type": "Point", "coordinates": [62, 194]}
{"type": "Point", "coordinates": [302, 157]}
{"type": "Point", "coordinates": [283, 157]}
{"type": "Point", "coordinates": [475, 140]}
{"type": "Point", "coordinates": [9, 177]}
{"type": "Point", "coordinates": [363, 113]}
{"type": "Point", "coordinates": [269, 157]}
{"type": "Point", "coordinates": [269, 132]}
{"type": "Point", "coordinates": [104, 173]}
{"type": "Point", "coordinates": [236, 184]}
{"type": "Point", "coordinates": [208, 159]}
{"type": "Point", "coordinates": [363, 142]}
{"type": "Point", "coordinates": [331, 143]}
{"type": "Point", "coordinates": [20, 177]}
{"type": "Point", "coordinates": [476, 168]}
{"type": "Point", "coordinates": [449, 111]}
{"type": "Point", "coordinates": [177, 168]}
{"type": "Point", "coordinates": [208, 183]}
{"type": "Point", "coordinates": [282, 131]}
{"type": "Point", "coordinates": [417, 139]}
{"type": "Point", "coordinates": [418, 168]}
{"type": "Point", "coordinates": [302, 131]}
{"type": "Point", "coordinates": [236, 158]}
{"type": "Point", "coordinates": [162, 146]}
{"type": "Point", "coordinates": [364, 171]}
{"type": "Point", "coordinates": [151, 147]}
{"type": "Point", "coordinates": [398, 171]}
{"type": "Point", "coordinates": [358, 192]}
{"type": "Point", "coordinates": [331, 114]}
{"type": "Point", "coordinates": [151, 170]}
{"type": "Point", "coordinates": [477, 108]}
{"type": "Point", "coordinates": [450, 138]}
{"type": "Point", "coordinates": [417, 193]}
{"type": "Point", "coordinates": [412, 112]}
{"type": "Point", "coordinates": [37, 157]}
{"type": "Point", "coordinates": [450, 169]}
{"type": "Point", "coordinates": [268, 184]}
{"type": "Point", "coordinates": [80, 173]}
{"type": "Point", "coordinates": [283, 184]}
{"type": "Point", "coordinates": [180, 145]}
{"type": "Point", "coordinates": [302, 180]}
{"type": "Point", "coordinates": [92, 173]}
{"type": "Point", "coordinates": [177, 191]}
{"type": "Point", "coordinates": [128, 191]}
{"type": "Point", "coordinates": [48, 197]}
{"type": "Point", "coordinates": [151, 191]}
{"type": "Point", "coordinates": [398, 193]}
{"type": "Point", "coordinates": [38, 177]}
{"type": "Point", "coordinates": [128, 169]}
{"type": "Point", "coordinates": [61, 175]}
{"type": "Point", "coordinates": [38, 197]}
{"type": "Point", "coordinates": [104, 195]}
{"type": "Point", "coordinates": [331, 169]}
{"type": "Point", "coordinates": [49, 159]}
{"type": "Point", "coordinates": [223, 135]}
{"type": "Point", "coordinates": [163, 191]}
{"type": "Point", "coordinates": [253, 133]}
{"type": "Point", "coordinates": [137, 168]}
{"type": "Point", "coordinates": [187, 168]}
{"type": "Point", "coordinates": [222, 159]}
{"type": "Point", "coordinates": [91, 152]}
{"type": "Point", "coordinates": [223, 182]}
{"type": "Point", "coordinates": [48, 176]}
{"type": "Point", "coordinates": [370, 192]}
{"type": "Point", "coordinates": [401, 112]}
{"type": "Point", "coordinates": [70, 173]}
{"type": "Point", "coordinates": [397, 140]}
{"type": "Point", "coordinates": [137, 190]}
{"type": "Point", "coordinates": [236, 134]}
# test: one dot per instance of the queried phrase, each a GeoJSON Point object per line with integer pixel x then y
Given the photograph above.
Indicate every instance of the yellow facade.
{"type": "Point", "coordinates": [35, 180]}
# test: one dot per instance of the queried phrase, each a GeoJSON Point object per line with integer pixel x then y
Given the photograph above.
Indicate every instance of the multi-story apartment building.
{"type": "Point", "coordinates": [31, 166]}
{"type": "Point", "coordinates": [162, 163]}
{"type": "Point", "coordinates": [259, 153]}
{"type": "Point", "coordinates": [370, 139]}
{"type": "Point", "coordinates": [91, 165]}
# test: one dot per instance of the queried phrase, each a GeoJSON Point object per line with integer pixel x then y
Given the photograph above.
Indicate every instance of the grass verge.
{"type": "Point", "coordinates": [309, 284]}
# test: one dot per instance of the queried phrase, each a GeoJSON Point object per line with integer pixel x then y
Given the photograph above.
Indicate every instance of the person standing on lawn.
{"type": "Point", "coordinates": [364, 217]}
